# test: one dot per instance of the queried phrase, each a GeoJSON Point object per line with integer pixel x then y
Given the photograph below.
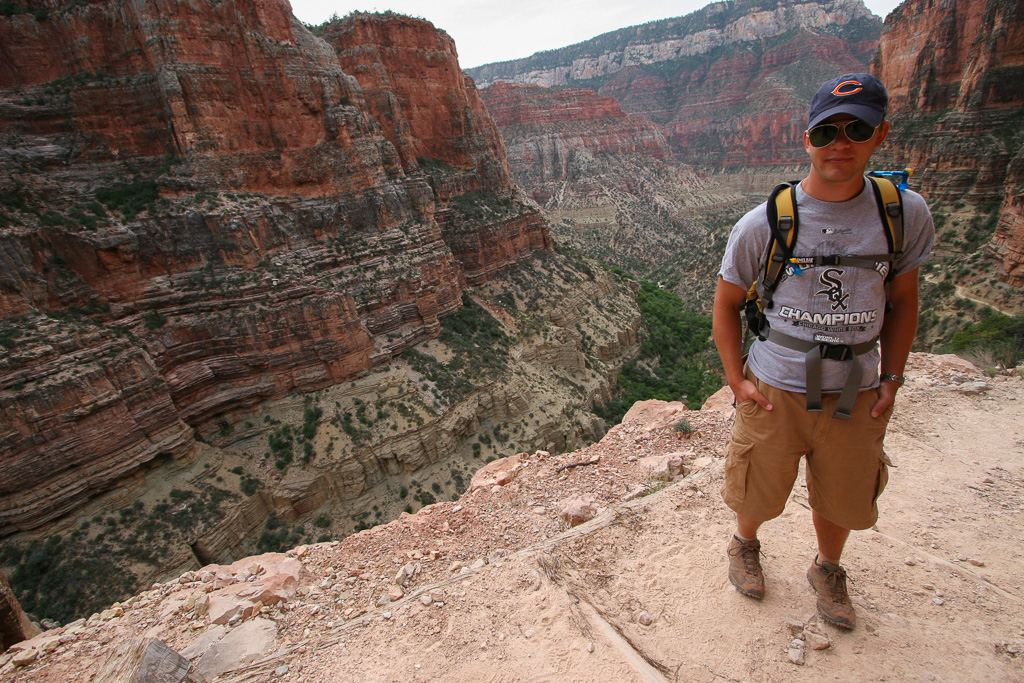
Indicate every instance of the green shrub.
{"type": "Point", "coordinates": [280, 442]}
{"type": "Point", "coordinates": [998, 336]}
{"type": "Point", "coordinates": [311, 419]}
{"type": "Point", "coordinates": [250, 485]}
{"type": "Point", "coordinates": [129, 198]}
{"type": "Point", "coordinates": [276, 537]}
{"type": "Point", "coordinates": [675, 358]}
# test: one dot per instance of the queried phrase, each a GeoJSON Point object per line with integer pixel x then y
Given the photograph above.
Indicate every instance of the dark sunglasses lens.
{"type": "Point", "coordinates": [858, 131]}
{"type": "Point", "coordinates": [823, 135]}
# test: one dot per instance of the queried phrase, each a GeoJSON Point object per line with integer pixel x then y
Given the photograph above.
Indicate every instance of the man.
{"type": "Point", "coordinates": [826, 306]}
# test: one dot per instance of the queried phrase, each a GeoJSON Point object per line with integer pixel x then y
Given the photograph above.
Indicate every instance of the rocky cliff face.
{"type": "Point", "coordinates": [398, 66]}
{"type": "Point", "coordinates": [955, 72]}
{"type": "Point", "coordinates": [1009, 234]}
{"type": "Point", "coordinates": [728, 88]}
{"type": "Point", "coordinates": [206, 210]}
{"type": "Point", "coordinates": [545, 126]}
{"type": "Point", "coordinates": [693, 121]}
{"type": "Point", "coordinates": [607, 181]}
{"type": "Point", "coordinates": [727, 85]}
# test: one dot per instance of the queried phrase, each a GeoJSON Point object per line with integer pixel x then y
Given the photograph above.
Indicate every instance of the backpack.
{"type": "Point", "coordinates": [783, 219]}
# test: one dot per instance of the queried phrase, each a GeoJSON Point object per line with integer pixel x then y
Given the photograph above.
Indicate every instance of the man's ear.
{"type": "Point", "coordinates": [883, 131]}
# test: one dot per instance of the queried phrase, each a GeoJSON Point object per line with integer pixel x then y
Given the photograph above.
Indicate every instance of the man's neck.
{"type": "Point", "coordinates": [826, 191]}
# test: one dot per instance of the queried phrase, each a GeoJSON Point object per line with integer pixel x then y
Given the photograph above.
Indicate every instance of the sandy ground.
{"type": "Point", "coordinates": [937, 583]}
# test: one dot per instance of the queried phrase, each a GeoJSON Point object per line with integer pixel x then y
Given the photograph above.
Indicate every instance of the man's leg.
{"type": "Point", "coordinates": [746, 528]}
{"type": "Point", "coordinates": [825, 575]}
{"type": "Point", "coordinates": [846, 472]}
{"type": "Point", "coordinates": [831, 538]}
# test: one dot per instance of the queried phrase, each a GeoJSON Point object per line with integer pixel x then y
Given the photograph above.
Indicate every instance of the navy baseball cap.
{"type": "Point", "coordinates": [860, 95]}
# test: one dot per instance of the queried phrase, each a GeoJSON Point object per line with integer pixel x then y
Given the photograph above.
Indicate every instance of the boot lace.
{"type": "Point", "coordinates": [835, 581]}
{"type": "Point", "coordinates": [749, 554]}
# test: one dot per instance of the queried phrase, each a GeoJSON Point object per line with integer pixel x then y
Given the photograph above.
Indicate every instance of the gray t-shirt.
{"type": "Point", "coordinates": [845, 302]}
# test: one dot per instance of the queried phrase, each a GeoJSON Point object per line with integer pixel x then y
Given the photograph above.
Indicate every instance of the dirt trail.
{"type": "Point", "coordinates": [936, 583]}
{"type": "Point", "coordinates": [955, 497]}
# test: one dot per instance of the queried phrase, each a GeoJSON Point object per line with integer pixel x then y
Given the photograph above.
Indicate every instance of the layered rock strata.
{"type": "Point", "coordinates": [205, 208]}
{"type": "Point", "coordinates": [609, 184]}
{"type": "Point", "coordinates": [955, 71]}
{"type": "Point", "coordinates": [727, 85]}
{"type": "Point", "coordinates": [553, 375]}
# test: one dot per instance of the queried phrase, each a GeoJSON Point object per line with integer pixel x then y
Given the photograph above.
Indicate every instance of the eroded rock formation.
{"type": "Point", "coordinates": [956, 74]}
{"type": "Point", "coordinates": [727, 85]}
{"type": "Point", "coordinates": [206, 207]}
{"type": "Point", "coordinates": [609, 184]}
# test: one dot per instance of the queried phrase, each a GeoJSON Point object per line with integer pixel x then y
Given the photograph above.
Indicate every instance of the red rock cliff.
{"type": "Point", "coordinates": [239, 89]}
{"type": "Point", "coordinates": [545, 127]}
{"type": "Point", "coordinates": [728, 85]}
{"type": "Point", "coordinates": [955, 71]}
{"type": "Point", "coordinates": [413, 86]}
{"type": "Point", "coordinates": [204, 209]}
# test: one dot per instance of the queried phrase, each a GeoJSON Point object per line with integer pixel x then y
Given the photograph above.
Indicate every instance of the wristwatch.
{"type": "Point", "coordinates": [899, 379]}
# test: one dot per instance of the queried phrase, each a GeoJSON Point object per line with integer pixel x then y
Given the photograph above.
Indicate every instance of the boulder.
{"type": "Point", "coordinates": [664, 467]}
{"type": "Point", "coordinates": [220, 649]}
{"type": "Point", "coordinates": [576, 510]}
{"type": "Point", "coordinates": [496, 473]}
{"type": "Point", "coordinates": [14, 625]}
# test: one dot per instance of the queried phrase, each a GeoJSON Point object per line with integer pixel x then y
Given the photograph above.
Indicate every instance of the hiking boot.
{"type": "Point", "coordinates": [745, 567]}
{"type": "Point", "coordinates": [829, 582]}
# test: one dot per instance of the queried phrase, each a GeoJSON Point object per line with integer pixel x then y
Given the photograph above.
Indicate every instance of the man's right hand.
{"type": "Point", "coordinates": [727, 329]}
{"type": "Point", "coordinates": [746, 390]}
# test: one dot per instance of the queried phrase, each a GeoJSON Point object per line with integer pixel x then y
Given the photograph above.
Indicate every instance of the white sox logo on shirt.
{"type": "Point", "coordinates": [833, 289]}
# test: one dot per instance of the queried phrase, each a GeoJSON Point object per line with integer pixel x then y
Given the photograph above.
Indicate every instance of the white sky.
{"type": "Point", "coordinates": [497, 30]}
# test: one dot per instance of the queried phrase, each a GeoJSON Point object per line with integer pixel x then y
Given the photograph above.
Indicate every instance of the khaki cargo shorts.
{"type": "Point", "coordinates": [846, 466]}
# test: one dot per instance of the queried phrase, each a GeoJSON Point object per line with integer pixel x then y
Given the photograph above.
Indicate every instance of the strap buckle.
{"type": "Point", "coordinates": [836, 351]}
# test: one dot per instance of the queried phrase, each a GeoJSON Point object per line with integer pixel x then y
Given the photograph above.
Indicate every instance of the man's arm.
{"type": "Point", "coordinates": [728, 331]}
{"type": "Point", "coordinates": [897, 337]}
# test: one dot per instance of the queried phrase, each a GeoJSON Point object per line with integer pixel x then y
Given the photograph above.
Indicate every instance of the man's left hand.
{"type": "Point", "coordinates": [886, 397]}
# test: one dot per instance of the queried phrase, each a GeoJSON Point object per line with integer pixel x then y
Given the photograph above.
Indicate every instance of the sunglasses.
{"type": "Point", "coordinates": [855, 130]}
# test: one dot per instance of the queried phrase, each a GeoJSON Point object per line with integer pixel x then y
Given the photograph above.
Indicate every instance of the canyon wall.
{"type": "Point", "coordinates": [645, 145]}
{"type": "Point", "coordinates": [609, 184]}
{"type": "Point", "coordinates": [207, 207]}
{"type": "Point", "coordinates": [728, 84]}
{"type": "Point", "coordinates": [728, 88]}
{"type": "Point", "coordinates": [955, 72]}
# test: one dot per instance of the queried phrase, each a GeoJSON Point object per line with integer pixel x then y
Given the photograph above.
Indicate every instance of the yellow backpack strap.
{"type": "Point", "coordinates": [782, 219]}
{"type": "Point", "coordinates": [890, 208]}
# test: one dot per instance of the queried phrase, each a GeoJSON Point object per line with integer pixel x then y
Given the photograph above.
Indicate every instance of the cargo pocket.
{"type": "Point", "coordinates": [737, 461]}
{"type": "Point", "coordinates": [883, 474]}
